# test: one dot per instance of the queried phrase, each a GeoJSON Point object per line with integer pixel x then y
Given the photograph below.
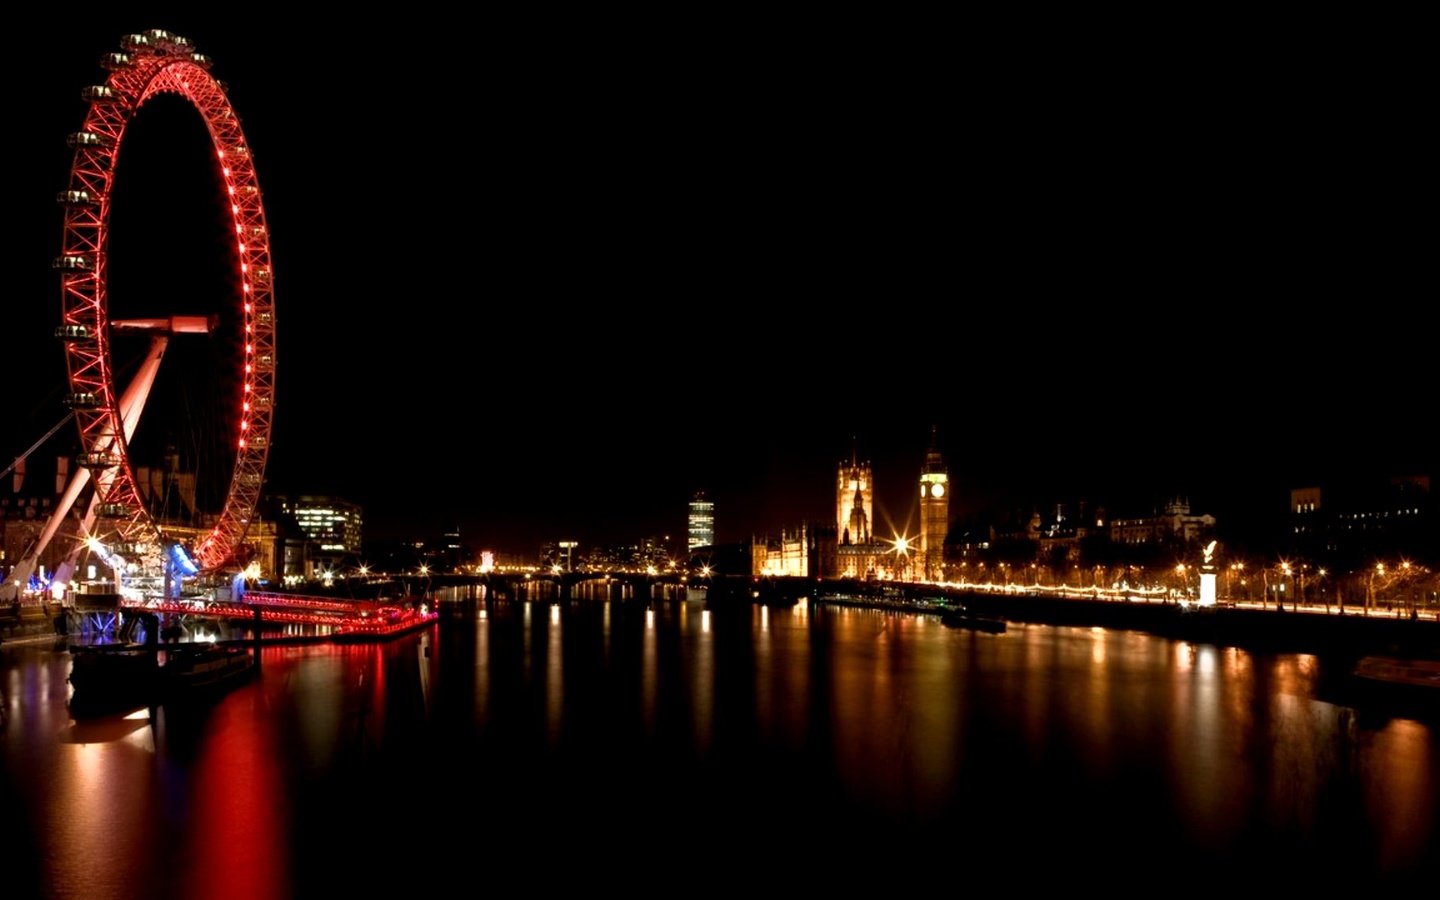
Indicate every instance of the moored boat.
{"type": "Point", "coordinates": [1422, 675]}
{"type": "Point", "coordinates": [198, 670]}
{"type": "Point", "coordinates": [385, 623]}
{"type": "Point", "coordinates": [1397, 685]}
{"type": "Point", "coordinates": [114, 677]}
{"type": "Point", "coordinates": [963, 618]}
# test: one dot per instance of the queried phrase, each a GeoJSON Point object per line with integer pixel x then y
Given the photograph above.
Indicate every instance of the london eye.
{"type": "Point", "coordinates": [118, 516]}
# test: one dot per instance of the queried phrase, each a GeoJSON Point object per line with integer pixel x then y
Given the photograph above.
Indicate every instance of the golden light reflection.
{"type": "Point", "coordinates": [700, 676]}
{"type": "Point", "coordinates": [649, 673]}
{"type": "Point", "coordinates": [1184, 656]}
{"type": "Point", "coordinates": [482, 670]}
{"type": "Point", "coordinates": [1205, 657]}
{"type": "Point", "coordinates": [1400, 792]}
{"type": "Point", "coordinates": [554, 678]}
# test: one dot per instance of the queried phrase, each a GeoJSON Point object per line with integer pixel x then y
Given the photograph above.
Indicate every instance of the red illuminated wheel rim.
{"type": "Point", "coordinates": [151, 64]}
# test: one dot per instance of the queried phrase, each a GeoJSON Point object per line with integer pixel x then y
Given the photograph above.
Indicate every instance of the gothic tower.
{"type": "Point", "coordinates": [854, 493]}
{"type": "Point", "coordinates": [934, 513]}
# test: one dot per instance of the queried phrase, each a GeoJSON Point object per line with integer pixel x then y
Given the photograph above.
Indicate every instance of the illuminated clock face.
{"type": "Point", "coordinates": [937, 490]}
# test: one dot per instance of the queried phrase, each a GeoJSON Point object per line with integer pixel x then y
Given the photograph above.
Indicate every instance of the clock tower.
{"type": "Point", "coordinates": [934, 513]}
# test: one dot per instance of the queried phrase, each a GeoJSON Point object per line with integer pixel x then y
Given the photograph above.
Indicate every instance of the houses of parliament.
{"type": "Point", "coordinates": [851, 548]}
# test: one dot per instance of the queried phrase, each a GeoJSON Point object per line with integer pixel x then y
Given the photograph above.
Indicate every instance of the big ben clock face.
{"type": "Point", "coordinates": [937, 490]}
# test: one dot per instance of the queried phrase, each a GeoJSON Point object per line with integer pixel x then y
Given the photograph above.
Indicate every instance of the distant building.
{"type": "Point", "coordinates": [333, 525]}
{"type": "Point", "coordinates": [701, 532]}
{"type": "Point", "coordinates": [787, 555]}
{"type": "Point", "coordinates": [452, 555]}
{"type": "Point", "coordinates": [934, 514]}
{"type": "Point", "coordinates": [649, 553]}
{"type": "Point", "coordinates": [824, 545]}
{"type": "Point", "coordinates": [26, 504]}
{"type": "Point", "coordinates": [1176, 524]}
{"type": "Point", "coordinates": [1354, 523]}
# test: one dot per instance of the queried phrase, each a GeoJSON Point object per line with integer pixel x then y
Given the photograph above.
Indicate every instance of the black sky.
{"type": "Point", "coordinates": [543, 279]}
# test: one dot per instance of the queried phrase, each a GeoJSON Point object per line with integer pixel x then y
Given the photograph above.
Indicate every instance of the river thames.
{"type": "Point", "coordinates": [667, 748]}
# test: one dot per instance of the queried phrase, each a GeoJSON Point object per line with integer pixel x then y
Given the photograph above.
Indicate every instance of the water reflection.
{"type": "Point", "coordinates": [606, 720]}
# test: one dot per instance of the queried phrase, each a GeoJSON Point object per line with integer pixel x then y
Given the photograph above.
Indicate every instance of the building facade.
{"type": "Point", "coordinates": [785, 556]}
{"type": "Point", "coordinates": [27, 501]}
{"type": "Point", "coordinates": [701, 524]}
{"type": "Point", "coordinates": [1176, 524]}
{"type": "Point", "coordinates": [333, 525]}
{"type": "Point", "coordinates": [1358, 522]}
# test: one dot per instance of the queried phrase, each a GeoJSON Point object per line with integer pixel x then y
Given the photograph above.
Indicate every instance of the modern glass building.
{"type": "Point", "coordinates": [702, 522]}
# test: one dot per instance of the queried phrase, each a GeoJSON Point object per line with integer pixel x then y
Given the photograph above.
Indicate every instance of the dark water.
{"type": "Point", "coordinates": [611, 747]}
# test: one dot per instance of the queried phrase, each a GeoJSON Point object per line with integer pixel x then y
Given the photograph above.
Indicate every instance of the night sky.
{"type": "Point", "coordinates": [545, 279]}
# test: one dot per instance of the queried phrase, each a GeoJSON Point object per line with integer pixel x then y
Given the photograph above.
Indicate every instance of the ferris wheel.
{"type": "Point", "coordinates": [117, 522]}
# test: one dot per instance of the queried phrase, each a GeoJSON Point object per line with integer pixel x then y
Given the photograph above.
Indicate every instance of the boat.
{"type": "Point", "coordinates": [113, 677]}
{"type": "Point", "coordinates": [1394, 685]}
{"type": "Point", "coordinates": [960, 617]}
{"type": "Point", "coordinates": [1417, 677]}
{"type": "Point", "coordinates": [382, 624]}
{"type": "Point", "coordinates": [197, 670]}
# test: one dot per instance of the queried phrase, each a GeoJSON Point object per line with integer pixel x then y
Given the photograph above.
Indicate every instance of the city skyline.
{"type": "Point", "coordinates": [971, 440]}
{"type": "Point", "coordinates": [1133, 342]}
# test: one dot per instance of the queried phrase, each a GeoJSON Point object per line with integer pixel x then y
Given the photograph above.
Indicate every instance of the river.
{"type": "Point", "coordinates": [667, 747]}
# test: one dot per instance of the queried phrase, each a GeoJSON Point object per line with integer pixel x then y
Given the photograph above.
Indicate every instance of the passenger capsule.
{"type": "Point", "coordinates": [72, 264]}
{"type": "Point", "coordinates": [77, 198]}
{"type": "Point", "coordinates": [100, 93]}
{"type": "Point", "coordinates": [71, 334]}
{"type": "Point", "coordinates": [88, 139]}
{"type": "Point", "coordinates": [97, 459]}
